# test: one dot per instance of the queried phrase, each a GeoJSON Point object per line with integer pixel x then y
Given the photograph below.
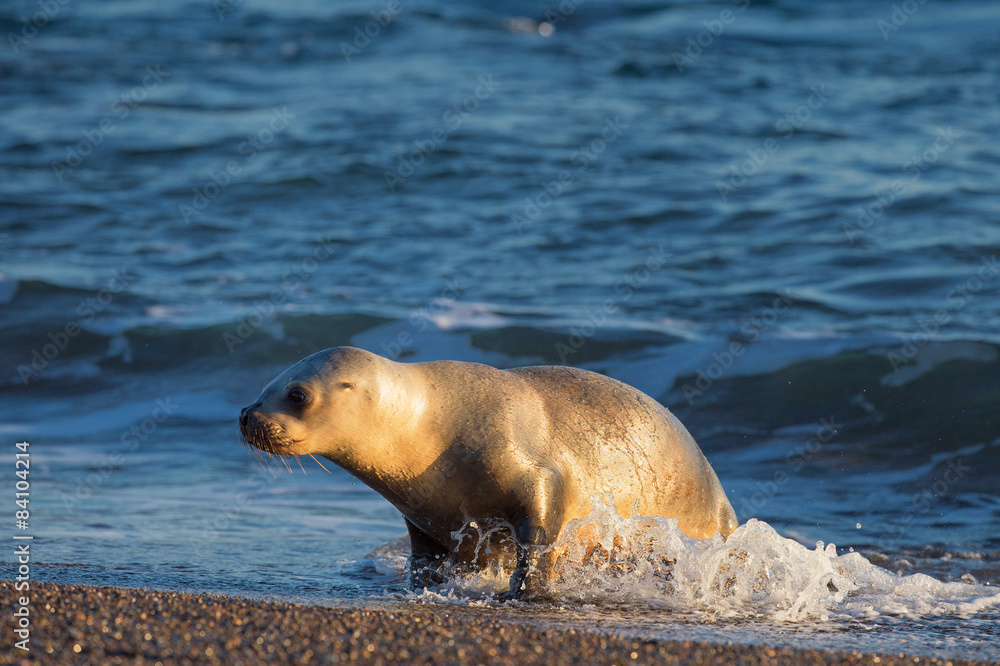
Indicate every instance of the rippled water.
{"type": "Point", "coordinates": [779, 219]}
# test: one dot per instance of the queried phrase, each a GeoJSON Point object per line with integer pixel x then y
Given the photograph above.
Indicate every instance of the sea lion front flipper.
{"type": "Point", "coordinates": [426, 558]}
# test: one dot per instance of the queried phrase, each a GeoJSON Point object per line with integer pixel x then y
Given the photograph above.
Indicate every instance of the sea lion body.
{"type": "Point", "coordinates": [449, 443]}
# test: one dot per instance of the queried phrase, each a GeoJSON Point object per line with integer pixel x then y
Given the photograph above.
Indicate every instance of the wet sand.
{"type": "Point", "coordinates": [86, 625]}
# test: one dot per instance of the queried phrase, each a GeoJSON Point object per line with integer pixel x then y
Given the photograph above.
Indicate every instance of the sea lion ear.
{"type": "Point", "coordinates": [347, 385]}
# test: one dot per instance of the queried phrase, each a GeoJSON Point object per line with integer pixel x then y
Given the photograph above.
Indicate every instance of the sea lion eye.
{"type": "Point", "coordinates": [297, 397]}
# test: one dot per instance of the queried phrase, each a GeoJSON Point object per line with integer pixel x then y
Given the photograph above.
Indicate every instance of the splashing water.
{"type": "Point", "coordinates": [756, 573]}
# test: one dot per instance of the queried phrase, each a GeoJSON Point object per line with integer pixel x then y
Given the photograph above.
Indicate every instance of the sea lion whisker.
{"type": "Point", "coordinates": [253, 450]}
{"type": "Point", "coordinates": [267, 463]}
{"type": "Point", "coordinates": [261, 462]}
{"type": "Point", "coordinates": [316, 460]}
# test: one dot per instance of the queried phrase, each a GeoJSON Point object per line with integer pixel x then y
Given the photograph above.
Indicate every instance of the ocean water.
{"type": "Point", "coordinates": [777, 218]}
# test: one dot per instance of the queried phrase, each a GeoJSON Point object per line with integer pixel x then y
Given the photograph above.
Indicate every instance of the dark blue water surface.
{"type": "Point", "coordinates": [778, 218]}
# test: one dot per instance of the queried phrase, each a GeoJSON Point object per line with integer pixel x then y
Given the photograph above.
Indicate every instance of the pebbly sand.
{"type": "Point", "coordinates": [86, 625]}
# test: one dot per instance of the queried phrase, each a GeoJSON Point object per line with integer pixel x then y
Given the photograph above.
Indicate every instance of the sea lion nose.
{"type": "Point", "coordinates": [245, 413]}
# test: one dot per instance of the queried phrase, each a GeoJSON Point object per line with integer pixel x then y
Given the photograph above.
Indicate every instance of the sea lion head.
{"type": "Point", "coordinates": [317, 406]}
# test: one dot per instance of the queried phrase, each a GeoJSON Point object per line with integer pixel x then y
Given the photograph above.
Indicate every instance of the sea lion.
{"type": "Point", "coordinates": [451, 443]}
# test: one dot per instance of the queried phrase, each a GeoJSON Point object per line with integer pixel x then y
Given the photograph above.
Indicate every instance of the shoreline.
{"type": "Point", "coordinates": [78, 624]}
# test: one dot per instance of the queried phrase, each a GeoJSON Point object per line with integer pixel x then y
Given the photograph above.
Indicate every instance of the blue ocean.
{"type": "Point", "coordinates": [779, 219]}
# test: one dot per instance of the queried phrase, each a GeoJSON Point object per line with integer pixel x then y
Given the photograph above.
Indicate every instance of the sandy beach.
{"type": "Point", "coordinates": [86, 625]}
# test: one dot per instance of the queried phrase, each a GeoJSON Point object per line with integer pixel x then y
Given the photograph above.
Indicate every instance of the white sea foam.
{"type": "Point", "coordinates": [755, 573]}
